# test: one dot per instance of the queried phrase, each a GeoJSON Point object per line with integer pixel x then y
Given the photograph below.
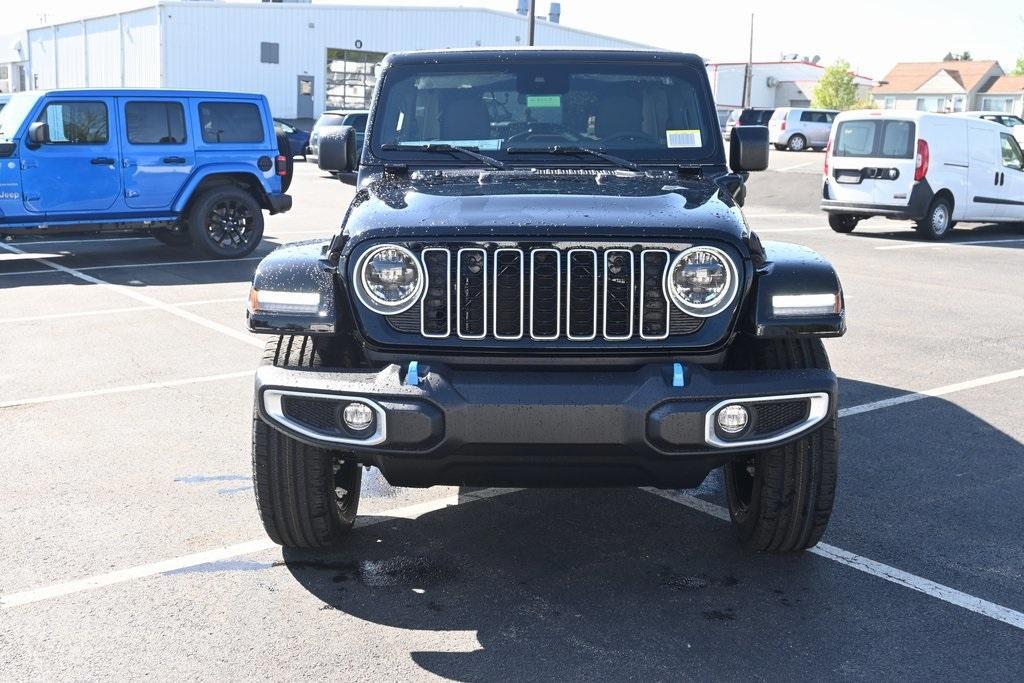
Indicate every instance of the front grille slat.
{"type": "Point", "coordinates": [471, 299]}
{"type": "Point", "coordinates": [542, 293]}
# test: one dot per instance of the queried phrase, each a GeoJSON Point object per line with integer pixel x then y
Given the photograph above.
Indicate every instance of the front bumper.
{"type": "Point", "coordinates": [455, 426]}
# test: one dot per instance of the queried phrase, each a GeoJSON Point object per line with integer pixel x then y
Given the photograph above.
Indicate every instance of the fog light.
{"type": "Point", "coordinates": [732, 419]}
{"type": "Point", "coordinates": [358, 416]}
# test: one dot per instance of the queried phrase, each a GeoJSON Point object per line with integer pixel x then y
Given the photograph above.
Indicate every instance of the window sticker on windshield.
{"type": "Point", "coordinates": [683, 138]}
{"type": "Point", "coordinates": [543, 101]}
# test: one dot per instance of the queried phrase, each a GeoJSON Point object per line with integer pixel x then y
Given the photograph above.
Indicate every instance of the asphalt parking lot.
{"type": "Point", "coordinates": [132, 546]}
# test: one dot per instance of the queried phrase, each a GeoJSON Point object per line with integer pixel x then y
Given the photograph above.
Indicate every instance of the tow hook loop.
{"type": "Point", "coordinates": [412, 375]}
{"type": "Point", "coordinates": [678, 375]}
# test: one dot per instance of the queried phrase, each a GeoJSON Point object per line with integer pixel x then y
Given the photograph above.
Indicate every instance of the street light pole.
{"type": "Point", "coordinates": [748, 72]}
{"type": "Point", "coordinates": [532, 19]}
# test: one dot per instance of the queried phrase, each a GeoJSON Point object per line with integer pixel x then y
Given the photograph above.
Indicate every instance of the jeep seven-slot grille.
{"type": "Point", "coordinates": [544, 294]}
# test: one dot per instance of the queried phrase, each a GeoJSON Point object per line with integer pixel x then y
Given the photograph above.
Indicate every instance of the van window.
{"type": "Point", "coordinates": [230, 122]}
{"type": "Point", "coordinates": [76, 123]}
{"type": "Point", "coordinates": [155, 123]}
{"type": "Point", "coordinates": [1012, 157]}
{"type": "Point", "coordinates": [875, 138]}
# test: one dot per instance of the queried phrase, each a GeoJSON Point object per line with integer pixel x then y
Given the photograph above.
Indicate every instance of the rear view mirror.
{"type": "Point", "coordinates": [38, 134]}
{"type": "Point", "coordinates": [337, 149]}
{"type": "Point", "coordinates": [748, 148]}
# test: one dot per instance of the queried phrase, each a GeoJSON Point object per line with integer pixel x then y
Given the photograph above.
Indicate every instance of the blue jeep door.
{"type": "Point", "coordinates": [78, 168]}
{"type": "Point", "coordinates": [158, 154]}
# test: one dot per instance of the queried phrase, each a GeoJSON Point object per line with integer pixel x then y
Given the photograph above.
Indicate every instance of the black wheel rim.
{"type": "Point", "coordinates": [230, 225]}
{"type": "Point", "coordinates": [743, 473]}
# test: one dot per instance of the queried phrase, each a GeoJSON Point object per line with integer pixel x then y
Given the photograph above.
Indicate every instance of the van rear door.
{"type": "Point", "coordinates": [872, 161]}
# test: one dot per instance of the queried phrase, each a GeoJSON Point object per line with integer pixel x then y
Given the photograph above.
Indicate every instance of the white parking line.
{"type": "Point", "coordinates": [129, 309]}
{"type": "Point", "coordinates": [817, 229]}
{"type": "Point", "coordinates": [784, 214]}
{"type": "Point", "coordinates": [106, 391]}
{"type": "Point", "coordinates": [869, 566]}
{"type": "Point", "coordinates": [224, 553]}
{"type": "Point", "coordinates": [931, 393]}
{"type": "Point", "coordinates": [131, 293]}
{"type": "Point", "coordinates": [85, 240]}
{"type": "Point", "coordinates": [154, 264]}
{"type": "Point", "coordinates": [941, 245]}
{"type": "Point", "coordinates": [805, 164]}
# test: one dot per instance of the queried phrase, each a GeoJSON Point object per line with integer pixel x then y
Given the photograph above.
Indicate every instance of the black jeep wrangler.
{"type": "Point", "coordinates": [544, 279]}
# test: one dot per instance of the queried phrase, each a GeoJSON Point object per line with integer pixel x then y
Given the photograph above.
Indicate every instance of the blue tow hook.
{"type": "Point", "coordinates": [412, 375]}
{"type": "Point", "coordinates": [678, 375]}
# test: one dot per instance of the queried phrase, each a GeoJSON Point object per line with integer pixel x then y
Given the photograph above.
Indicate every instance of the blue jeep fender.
{"type": "Point", "coordinates": [246, 173]}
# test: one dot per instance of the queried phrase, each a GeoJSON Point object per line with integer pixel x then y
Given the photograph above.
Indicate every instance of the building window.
{"type": "Point", "coordinates": [270, 53]}
{"type": "Point", "coordinates": [351, 77]}
{"type": "Point", "coordinates": [997, 104]}
{"type": "Point", "coordinates": [5, 72]}
{"type": "Point", "coordinates": [155, 123]}
{"type": "Point", "coordinates": [889, 102]}
{"type": "Point", "coordinates": [75, 123]}
{"type": "Point", "coordinates": [932, 104]}
{"type": "Point", "coordinates": [230, 122]}
{"type": "Point", "coordinates": [958, 102]}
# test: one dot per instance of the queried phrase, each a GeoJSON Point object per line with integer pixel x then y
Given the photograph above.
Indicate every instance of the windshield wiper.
{"type": "Point", "coordinates": [572, 150]}
{"type": "Point", "coordinates": [445, 148]}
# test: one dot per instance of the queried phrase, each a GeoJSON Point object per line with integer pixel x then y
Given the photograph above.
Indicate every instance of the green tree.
{"type": "Point", "coordinates": [836, 89]}
{"type": "Point", "coordinates": [1019, 69]}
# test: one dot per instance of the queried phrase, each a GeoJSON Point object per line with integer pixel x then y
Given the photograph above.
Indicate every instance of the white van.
{"type": "Point", "coordinates": [933, 169]}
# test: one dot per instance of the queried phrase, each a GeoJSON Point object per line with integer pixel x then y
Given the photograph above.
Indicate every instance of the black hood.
{"type": "Point", "coordinates": [509, 204]}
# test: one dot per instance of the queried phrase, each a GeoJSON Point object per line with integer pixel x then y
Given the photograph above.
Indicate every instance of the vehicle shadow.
{"type": "Point", "coordinates": [608, 584]}
{"type": "Point", "coordinates": [964, 233]}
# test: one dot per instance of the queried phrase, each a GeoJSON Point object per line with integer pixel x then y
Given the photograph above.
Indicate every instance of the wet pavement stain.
{"type": "Point", "coordinates": [684, 582]}
{"type": "Point", "coordinates": [719, 615]}
{"type": "Point", "coordinates": [395, 572]}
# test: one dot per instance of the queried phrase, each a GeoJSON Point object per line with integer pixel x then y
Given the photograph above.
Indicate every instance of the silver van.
{"type": "Point", "coordinates": [797, 129]}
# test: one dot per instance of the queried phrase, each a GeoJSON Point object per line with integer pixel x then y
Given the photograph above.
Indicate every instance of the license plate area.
{"type": "Point", "coordinates": [848, 176]}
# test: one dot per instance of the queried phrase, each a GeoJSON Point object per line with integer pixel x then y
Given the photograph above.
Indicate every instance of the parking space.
{"type": "Point", "coordinates": [133, 548]}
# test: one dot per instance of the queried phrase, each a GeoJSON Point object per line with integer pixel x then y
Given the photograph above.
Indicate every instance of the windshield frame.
{"type": "Point", "coordinates": [17, 110]}
{"type": "Point", "coordinates": [712, 153]}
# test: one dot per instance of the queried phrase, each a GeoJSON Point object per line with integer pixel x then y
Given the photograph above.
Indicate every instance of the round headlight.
{"type": "Point", "coordinates": [702, 281]}
{"type": "Point", "coordinates": [389, 279]}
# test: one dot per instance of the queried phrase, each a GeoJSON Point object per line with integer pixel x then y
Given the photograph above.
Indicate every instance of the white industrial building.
{"type": "Point", "coordinates": [304, 57]}
{"type": "Point", "coordinates": [788, 83]}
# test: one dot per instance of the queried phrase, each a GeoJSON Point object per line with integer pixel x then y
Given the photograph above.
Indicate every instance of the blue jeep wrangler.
{"type": "Point", "coordinates": [193, 168]}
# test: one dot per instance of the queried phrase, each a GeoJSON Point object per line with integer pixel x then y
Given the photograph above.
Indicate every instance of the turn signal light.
{"type": "Point", "coordinates": [281, 164]}
{"type": "Point", "coordinates": [921, 166]}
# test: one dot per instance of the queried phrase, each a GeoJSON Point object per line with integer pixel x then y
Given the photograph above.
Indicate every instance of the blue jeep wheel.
{"type": "Point", "coordinates": [225, 222]}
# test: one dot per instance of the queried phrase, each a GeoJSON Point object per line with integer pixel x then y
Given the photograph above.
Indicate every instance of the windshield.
{"type": "Point", "coordinates": [642, 112]}
{"type": "Point", "coordinates": [15, 112]}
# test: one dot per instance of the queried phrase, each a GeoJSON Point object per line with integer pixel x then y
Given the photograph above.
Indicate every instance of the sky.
{"type": "Point", "coordinates": [870, 34]}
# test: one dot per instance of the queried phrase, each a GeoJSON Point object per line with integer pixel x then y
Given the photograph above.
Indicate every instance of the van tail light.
{"type": "Point", "coordinates": [782, 126]}
{"type": "Point", "coordinates": [828, 150]}
{"type": "Point", "coordinates": [921, 166]}
{"type": "Point", "coordinates": [281, 165]}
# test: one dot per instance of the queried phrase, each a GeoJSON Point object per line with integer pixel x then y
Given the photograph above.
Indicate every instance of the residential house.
{"type": "Point", "coordinates": [1005, 94]}
{"type": "Point", "coordinates": [937, 86]}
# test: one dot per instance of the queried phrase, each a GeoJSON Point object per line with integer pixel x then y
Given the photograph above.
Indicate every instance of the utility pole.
{"type": "Point", "coordinates": [532, 19]}
{"type": "Point", "coordinates": [748, 71]}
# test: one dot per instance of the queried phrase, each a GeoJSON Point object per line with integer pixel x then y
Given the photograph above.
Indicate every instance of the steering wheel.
{"type": "Point", "coordinates": [544, 132]}
{"type": "Point", "coordinates": [630, 135]}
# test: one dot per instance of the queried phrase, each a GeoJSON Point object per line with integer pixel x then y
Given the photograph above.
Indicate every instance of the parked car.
{"type": "Point", "coordinates": [4, 99]}
{"type": "Point", "coordinates": [355, 119]}
{"type": "Point", "coordinates": [932, 169]}
{"type": "Point", "coordinates": [1011, 121]}
{"type": "Point", "coordinates": [544, 280]}
{"type": "Point", "coordinates": [797, 129]}
{"type": "Point", "coordinates": [747, 117]}
{"type": "Point", "coordinates": [298, 139]}
{"type": "Point", "coordinates": [192, 167]}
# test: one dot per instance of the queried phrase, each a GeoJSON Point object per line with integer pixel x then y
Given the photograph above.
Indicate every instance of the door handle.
{"type": "Point", "coordinates": [174, 160]}
{"type": "Point", "coordinates": [102, 161]}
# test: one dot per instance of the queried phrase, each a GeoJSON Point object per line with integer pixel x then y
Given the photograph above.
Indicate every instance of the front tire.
{"type": "Point", "coordinates": [842, 222]}
{"type": "Point", "coordinates": [225, 222]}
{"type": "Point", "coordinates": [797, 143]}
{"type": "Point", "coordinates": [307, 497]}
{"type": "Point", "coordinates": [780, 500]}
{"type": "Point", "coordinates": [938, 222]}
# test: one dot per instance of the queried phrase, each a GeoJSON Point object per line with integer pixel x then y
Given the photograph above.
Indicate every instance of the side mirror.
{"type": "Point", "coordinates": [748, 149]}
{"type": "Point", "coordinates": [38, 134]}
{"type": "Point", "coordinates": [337, 149]}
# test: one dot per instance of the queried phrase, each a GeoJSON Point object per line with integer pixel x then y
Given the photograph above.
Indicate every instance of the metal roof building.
{"type": "Point", "coordinates": [304, 57]}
